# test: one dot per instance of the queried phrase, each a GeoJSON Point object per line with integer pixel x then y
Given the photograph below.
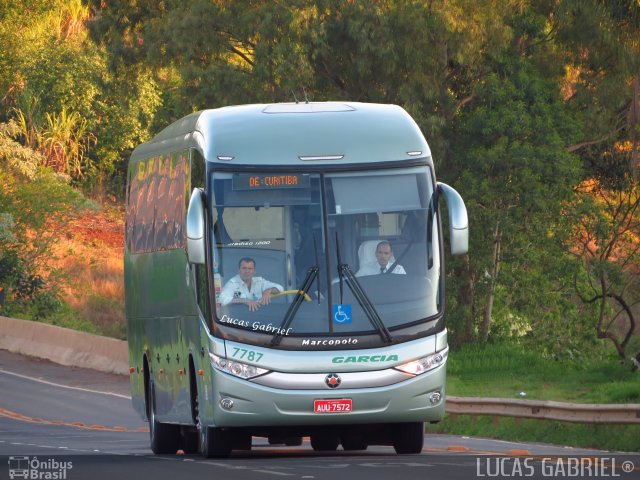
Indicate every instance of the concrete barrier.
{"type": "Point", "coordinates": [64, 346]}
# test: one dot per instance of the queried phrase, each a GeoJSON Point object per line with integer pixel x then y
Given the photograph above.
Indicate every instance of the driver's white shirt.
{"type": "Point", "coordinates": [373, 268]}
{"type": "Point", "coordinates": [236, 288]}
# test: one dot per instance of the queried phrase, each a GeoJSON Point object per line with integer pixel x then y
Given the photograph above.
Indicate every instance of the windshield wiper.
{"type": "Point", "coordinates": [312, 274]}
{"type": "Point", "coordinates": [344, 270]}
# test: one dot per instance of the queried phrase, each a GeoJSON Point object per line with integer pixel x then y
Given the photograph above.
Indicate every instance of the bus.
{"type": "Point", "coordinates": [304, 194]}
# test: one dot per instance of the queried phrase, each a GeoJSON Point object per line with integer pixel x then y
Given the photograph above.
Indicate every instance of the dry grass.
{"type": "Point", "coordinates": [90, 257]}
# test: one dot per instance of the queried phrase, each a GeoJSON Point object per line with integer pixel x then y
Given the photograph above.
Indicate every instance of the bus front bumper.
{"type": "Point", "coordinates": [242, 403]}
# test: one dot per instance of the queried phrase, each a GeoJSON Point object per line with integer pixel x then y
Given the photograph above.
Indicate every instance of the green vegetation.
{"type": "Point", "coordinates": [33, 199]}
{"type": "Point", "coordinates": [511, 371]}
{"type": "Point", "coordinates": [530, 108]}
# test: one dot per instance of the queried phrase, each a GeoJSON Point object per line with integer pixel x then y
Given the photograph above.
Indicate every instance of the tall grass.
{"type": "Point", "coordinates": [91, 257]}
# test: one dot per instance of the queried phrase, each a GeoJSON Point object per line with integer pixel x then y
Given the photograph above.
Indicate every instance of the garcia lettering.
{"type": "Point", "coordinates": [365, 359]}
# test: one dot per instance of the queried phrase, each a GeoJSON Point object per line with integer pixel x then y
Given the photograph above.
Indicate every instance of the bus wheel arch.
{"type": "Point", "coordinates": [163, 437]}
{"type": "Point", "coordinates": [189, 433]}
{"type": "Point", "coordinates": [146, 378]}
{"type": "Point", "coordinates": [193, 391]}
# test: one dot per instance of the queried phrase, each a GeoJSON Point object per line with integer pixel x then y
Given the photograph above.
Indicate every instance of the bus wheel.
{"type": "Point", "coordinates": [163, 437]}
{"type": "Point", "coordinates": [353, 441]}
{"type": "Point", "coordinates": [288, 441]}
{"type": "Point", "coordinates": [325, 442]}
{"type": "Point", "coordinates": [189, 440]}
{"type": "Point", "coordinates": [409, 437]}
{"type": "Point", "coordinates": [215, 442]}
{"type": "Point", "coordinates": [292, 441]}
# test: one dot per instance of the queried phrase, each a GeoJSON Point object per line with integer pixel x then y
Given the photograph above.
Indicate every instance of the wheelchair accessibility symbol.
{"type": "Point", "coordinates": [341, 313]}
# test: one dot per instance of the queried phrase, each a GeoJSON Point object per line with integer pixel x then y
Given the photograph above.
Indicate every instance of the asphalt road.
{"type": "Point", "coordinates": [69, 423]}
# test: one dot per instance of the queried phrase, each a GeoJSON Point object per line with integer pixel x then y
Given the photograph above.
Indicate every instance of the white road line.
{"type": "Point", "coordinates": [39, 380]}
{"type": "Point", "coordinates": [275, 473]}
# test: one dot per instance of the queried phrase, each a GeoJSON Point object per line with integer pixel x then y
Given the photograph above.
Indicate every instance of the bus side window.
{"type": "Point", "coordinates": [162, 238]}
{"type": "Point", "coordinates": [149, 202]}
{"type": "Point", "coordinates": [174, 201]}
{"type": "Point", "coordinates": [139, 200]}
{"type": "Point", "coordinates": [178, 209]}
{"type": "Point", "coordinates": [132, 191]}
{"type": "Point", "coordinates": [197, 170]}
{"type": "Point", "coordinates": [201, 292]}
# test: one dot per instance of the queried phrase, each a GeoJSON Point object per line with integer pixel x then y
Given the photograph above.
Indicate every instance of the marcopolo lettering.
{"type": "Point", "coordinates": [306, 342]}
{"type": "Point", "coordinates": [365, 359]}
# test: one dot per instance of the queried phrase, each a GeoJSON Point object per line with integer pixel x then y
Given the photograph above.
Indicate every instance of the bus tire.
{"type": "Point", "coordinates": [353, 441]}
{"type": "Point", "coordinates": [325, 442]}
{"type": "Point", "coordinates": [409, 438]}
{"type": "Point", "coordinates": [292, 441]}
{"type": "Point", "coordinates": [288, 441]}
{"type": "Point", "coordinates": [190, 441]}
{"type": "Point", "coordinates": [163, 438]}
{"type": "Point", "coordinates": [215, 442]}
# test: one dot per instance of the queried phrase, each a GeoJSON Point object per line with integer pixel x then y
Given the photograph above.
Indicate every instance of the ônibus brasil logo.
{"type": "Point", "coordinates": [35, 469]}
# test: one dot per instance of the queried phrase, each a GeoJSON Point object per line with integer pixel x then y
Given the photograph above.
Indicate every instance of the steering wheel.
{"type": "Point", "coordinates": [291, 292]}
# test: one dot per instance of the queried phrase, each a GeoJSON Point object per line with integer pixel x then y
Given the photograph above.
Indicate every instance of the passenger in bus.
{"type": "Point", "coordinates": [248, 289]}
{"type": "Point", "coordinates": [383, 262]}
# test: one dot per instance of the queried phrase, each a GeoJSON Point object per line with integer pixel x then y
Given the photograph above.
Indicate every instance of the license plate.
{"type": "Point", "coordinates": [343, 405]}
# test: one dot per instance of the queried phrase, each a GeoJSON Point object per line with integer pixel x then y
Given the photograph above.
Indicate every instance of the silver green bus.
{"type": "Point", "coordinates": [304, 193]}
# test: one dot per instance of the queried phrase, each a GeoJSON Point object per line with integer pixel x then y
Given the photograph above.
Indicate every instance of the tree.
{"type": "Point", "coordinates": [608, 240]}
{"type": "Point", "coordinates": [602, 88]}
{"type": "Point", "coordinates": [83, 117]}
{"type": "Point", "coordinates": [32, 200]}
{"type": "Point", "coordinates": [602, 85]}
{"type": "Point", "coordinates": [509, 149]}
{"type": "Point", "coordinates": [212, 53]}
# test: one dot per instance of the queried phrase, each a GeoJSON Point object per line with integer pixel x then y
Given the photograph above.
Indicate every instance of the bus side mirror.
{"type": "Point", "coordinates": [195, 227]}
{"type": "Point", "coordinates": [458, 220]}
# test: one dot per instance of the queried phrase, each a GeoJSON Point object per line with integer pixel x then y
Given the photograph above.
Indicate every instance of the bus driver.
{"type": "Point", "coordinates": [245, 288]}
{"type": "Point", "coordinates": [382, 264]}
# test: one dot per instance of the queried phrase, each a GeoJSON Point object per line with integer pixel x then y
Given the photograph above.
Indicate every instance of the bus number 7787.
{"type": "Point", "coordinates": [243, 353]}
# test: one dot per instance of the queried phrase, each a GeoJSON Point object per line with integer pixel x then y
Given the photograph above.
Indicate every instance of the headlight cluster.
{"type": "Point", "coordinates": [237, 369]}
{"type": "Point", "coordinates": [424, 364]}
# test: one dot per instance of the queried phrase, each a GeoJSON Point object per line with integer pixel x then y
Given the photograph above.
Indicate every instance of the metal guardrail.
{"type": "Point", "coordinates": [544, 409]}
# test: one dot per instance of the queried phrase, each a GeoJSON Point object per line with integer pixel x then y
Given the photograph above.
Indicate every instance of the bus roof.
{"type": "Point", "coordinates": [295, 134]}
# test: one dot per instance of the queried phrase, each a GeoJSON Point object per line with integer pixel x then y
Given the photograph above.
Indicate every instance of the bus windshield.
{"type": "Point", "coordinates": [349, 253]}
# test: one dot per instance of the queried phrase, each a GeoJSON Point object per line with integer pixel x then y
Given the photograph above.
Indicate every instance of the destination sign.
{"type": "Point", "coordinates": [243, 181]}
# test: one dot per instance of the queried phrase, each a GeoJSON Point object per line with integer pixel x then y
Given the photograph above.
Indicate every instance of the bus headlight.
{"type": "Point", "coordinates": [424, 364]}
{"type": "Point", "coordinates": [237, 369]}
